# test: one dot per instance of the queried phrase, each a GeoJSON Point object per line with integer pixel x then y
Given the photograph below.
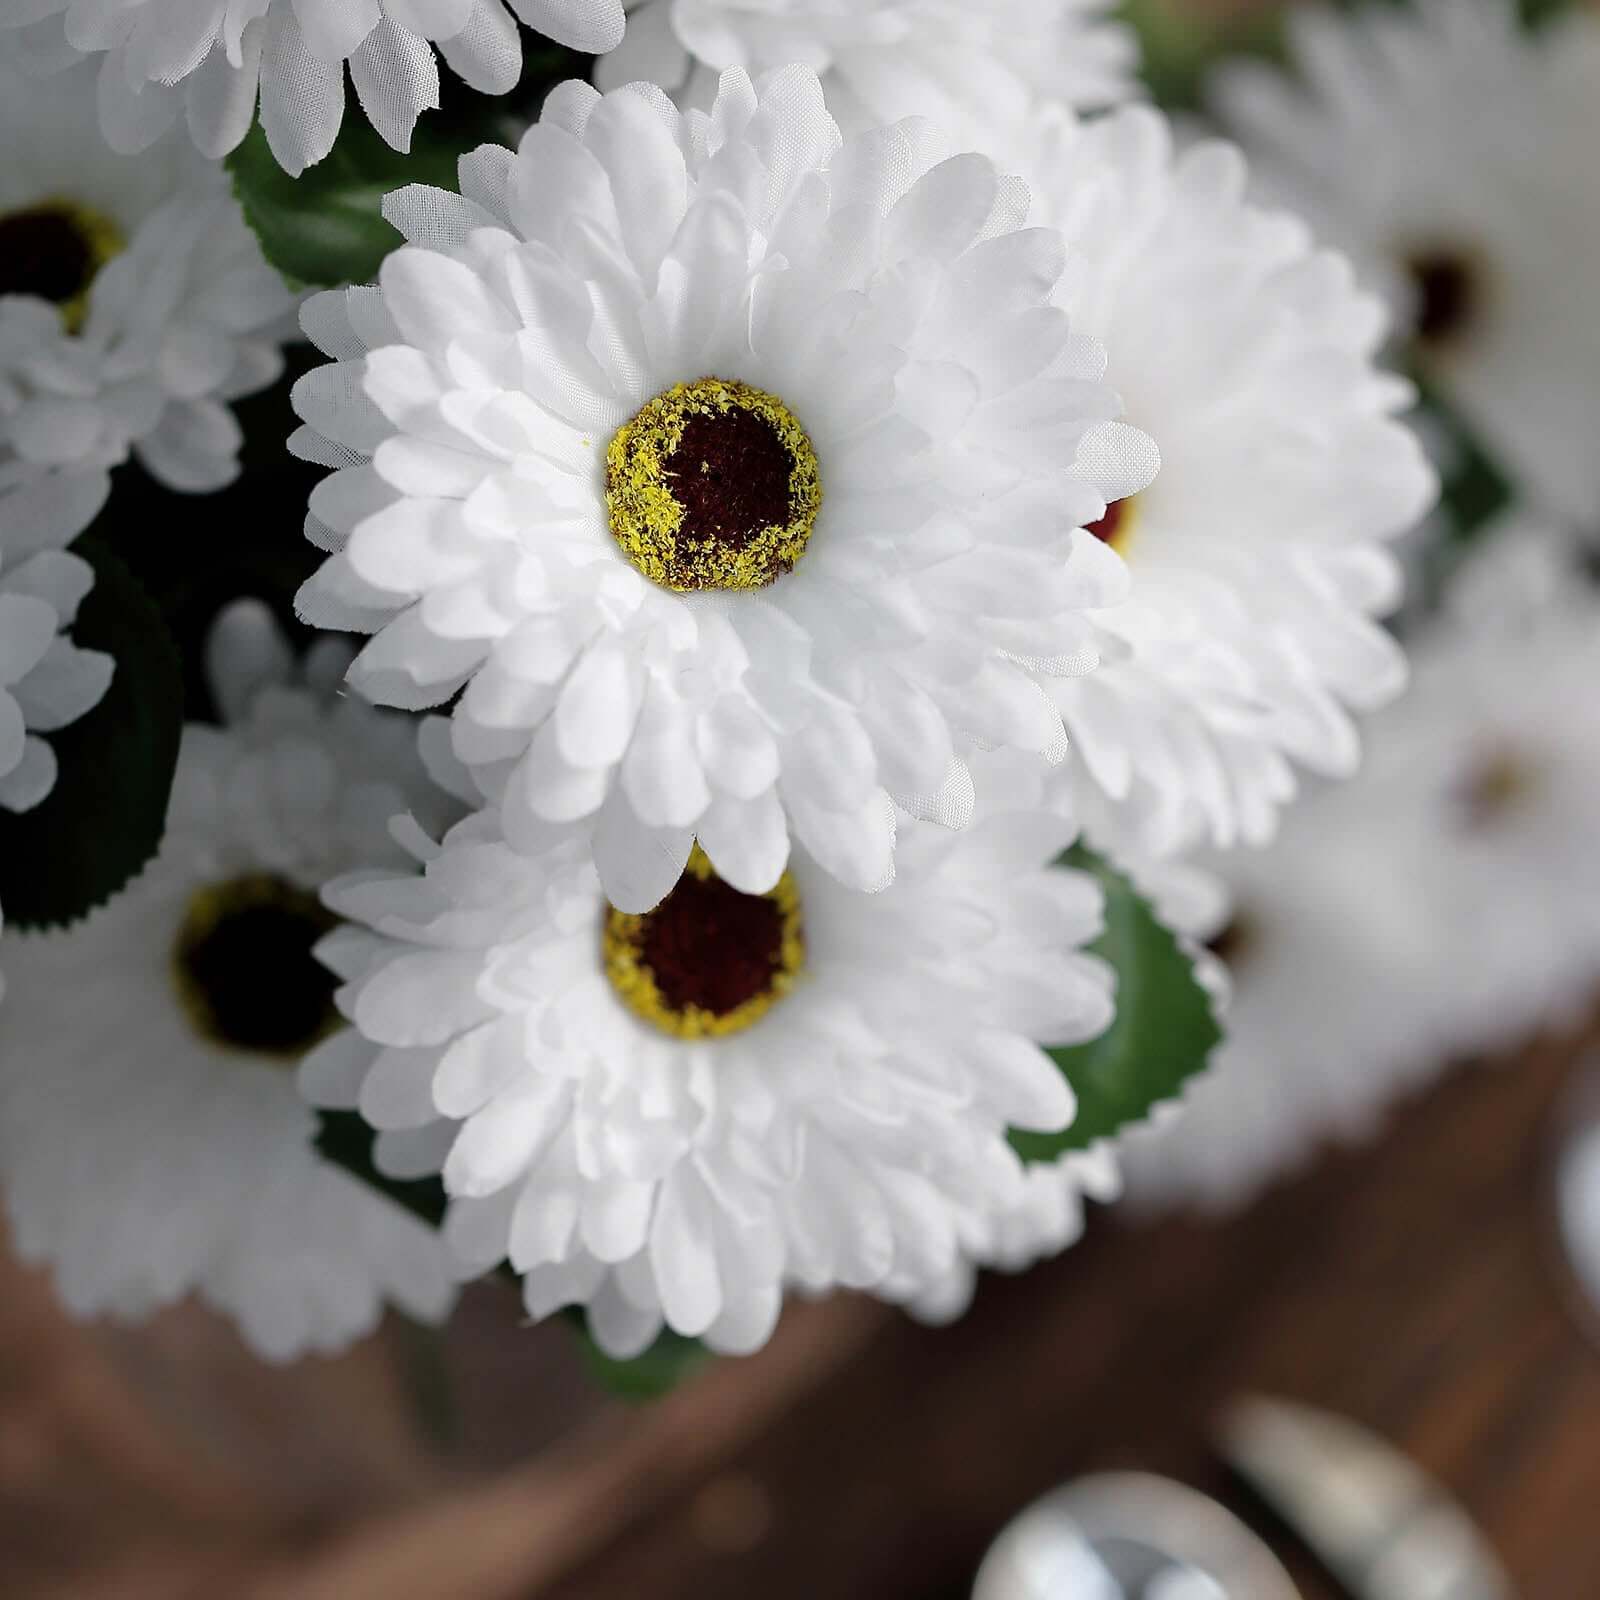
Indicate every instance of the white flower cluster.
{"type": "Point", "coordinates": [658, 686]}
{"type": "Point", "coordinates": [829, 466]}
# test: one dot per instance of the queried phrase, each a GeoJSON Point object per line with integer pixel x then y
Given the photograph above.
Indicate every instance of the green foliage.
{"type": "Point", "coordinates": [1474, 491]}
{"type": "Point", "coordinates": [668, 1362]}
{"type": "Point", "coordinates": [326, 227]}
{"type": "Point", "coordinates": [1162, 1035]}
{"type": "Point", "coordinates": [104, 819]}
{"type": "Point", "coordinates": [346, 1139]}
{"type": "Point", "coordinates": [1179, 44]}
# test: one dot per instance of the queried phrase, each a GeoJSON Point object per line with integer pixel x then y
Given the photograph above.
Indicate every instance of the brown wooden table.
{"type": "Point", "coordinates": [1410, 1285]}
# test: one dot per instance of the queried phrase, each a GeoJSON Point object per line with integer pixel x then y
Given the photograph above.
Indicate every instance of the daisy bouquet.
{"type": "Point", "coordinates": [639, 658]}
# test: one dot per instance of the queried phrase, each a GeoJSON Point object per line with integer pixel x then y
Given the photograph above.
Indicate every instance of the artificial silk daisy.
{"type": "Point", "coordinates": [668, 1116]}
{"type": "Point", "coordinates": [973, 70]}
{"type": "Point", "coordinates": [1451, 152]}
{"type": "Point", "coordinates": [46, 681]}
{"type": "Point", "coordinates": [152, 1143]}
{"type": "Point", "coordinates": [134, 304]}
{"type": "Point", "coordinates": [728, 468]}
{"type": "Point", "coordinates": [212, 61]}
{"type": "Point", "coordinates": [1256, 563]}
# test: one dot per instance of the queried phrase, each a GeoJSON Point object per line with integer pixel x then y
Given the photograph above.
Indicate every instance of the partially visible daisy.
{"type": "Point", "coordinates": [1445, 902]}
{"type": "Point", "coordinates": [1451, 152]}
{"type": "Point", "coordinates": [668, 1117]}
{"type": "Point", "coordinates": [134, 304]}
{"type": "Point", "coordinates": [211, 61]}
{"type": "Point", "coordinates": [727, 467]}
{"type": "Point", "coordinates": [972, 69]}
{"type": "Point", "coordinates": [1334, 996]}
{"type": "Point", "coordinates": [1257, 562]}
{"type": "Point", "coordinates": [1489, 769]}
{"type": "Point", "coordinates": [152, 1143]}
{"type": "Point", "coordinates": [46, 681]}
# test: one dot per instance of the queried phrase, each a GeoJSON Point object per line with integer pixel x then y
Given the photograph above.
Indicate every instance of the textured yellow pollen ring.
{"type": "Point", "coordinates": [646, 490]}
{"type": "Point", "coordinates": [708, 961]}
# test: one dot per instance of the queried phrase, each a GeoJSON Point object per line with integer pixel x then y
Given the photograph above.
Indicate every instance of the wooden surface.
{"type": "Point", "coordinates": [1410, 1285]}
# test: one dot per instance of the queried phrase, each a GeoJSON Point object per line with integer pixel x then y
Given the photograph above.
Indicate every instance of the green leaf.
{"type": "Point", "coordinates": [668, 1362]}
{"type": "Point", "coordinates": [1178, 45]}
{"type": "Point", "coordinates": [105, 817]}
{"type": "Point", "coordinates": [326, 227]}
{"type": "Point", "coordinates": [1474, 494]}
{"type": "Point", "coordinates": [1162, 1035]}
{"type": "Point", "coordinates": [346, 1139]}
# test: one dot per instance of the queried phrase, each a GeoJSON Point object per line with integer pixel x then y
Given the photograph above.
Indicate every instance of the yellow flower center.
{"type": "Point", "coordinates": [712, 485]}
{"type": "Point", "coordinates": [709, 960]}
{"type": "Point", "coordinates": [244, 969]}
{"type": "Point", "coordinates": [55, 250]}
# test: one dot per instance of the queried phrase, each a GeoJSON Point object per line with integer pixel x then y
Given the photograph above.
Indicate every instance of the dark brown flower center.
{"type": "Point", "coordinates": [707, 945]}
{"type": "Point", "coordinates": [730, 473]}
{"type": "Point", "coordinates": [1497, 785]}
{"type": "Point", "coordinates": [245, 969]}
{"type": "Point", "coordinates": [1449, 295]}
{"type": "Point", "coordinates": [45, 252]}
{"type": "Point", "coordinates": [712, 485]}
{"type": "Point", "coordinates": [709, 959]}
{"type": "Point", "coordinates": [1117, 523]}
{"type": "Point", "coordinates": [1234, 941]}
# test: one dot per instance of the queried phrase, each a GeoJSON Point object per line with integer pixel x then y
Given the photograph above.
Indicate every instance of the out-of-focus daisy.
{"type": "Point", "coordinates": [725, 466]}
{"type": "Point", "coordinates": [1451, 152]}
{"type": "Point", "coordinates": [152, 1142]}
{"type": "Point", "coordinates": [134, 304]}
{"type": "Point", "coordinates": [210, 62]}
{"type": "Point", "coordinates": [1256, 562]}
{"type": "Point", "coordinates": [46, 681]}
{"type": "Point", "coordinates": [1489, 769]}
{"type": "Point", "coordinates": [972, 69]}
{"type": "Point", "coordinates": [1333, 996]}
{"type": "Point", "coordinates": [668, 1117]}
{"type": "Point", "coordinates": [1445, 902]}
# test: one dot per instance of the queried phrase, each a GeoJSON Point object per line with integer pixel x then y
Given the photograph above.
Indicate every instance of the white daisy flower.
{"type": "Point", "coordinates": [853, 345]}
{"type": "Point", "coordinates": [134, 304]}
{"type": "Point", "coordinates": [152, 1142]}
{"type": "Point", "coordinates": [212, 61]}
{"type": "Point", "coordinates": [1256, 562]}
{"type": "Point", "coordinates": [46, 681]}
{"type": "Point", "coordinates": [971, 69]}
{"type": "Point", "coordinates": [1451, 152]}
{"type": "Point", "coordinates": [666, 1117]}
